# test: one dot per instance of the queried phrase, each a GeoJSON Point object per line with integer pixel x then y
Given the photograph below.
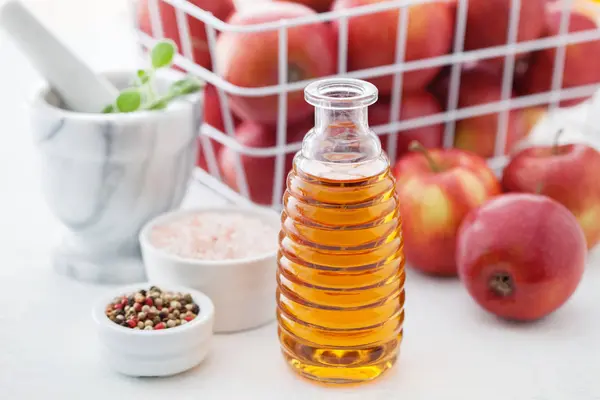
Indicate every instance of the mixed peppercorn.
{"type": "Point", "coordinates": [152, 309]}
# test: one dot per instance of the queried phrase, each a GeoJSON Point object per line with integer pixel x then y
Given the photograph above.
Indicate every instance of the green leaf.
{"type": "Point", "coordinates": [129, 100]}
{"type": "Point", "coordinates": [185, 86]}
{"type": "Point", "coordinates": [163, 53]}
{"type": "Point", "coordinates": [108, 109]}
{"type": "Point", "coordinates": [143, 76]}
{"type": "Point", "coordinates": [177, 87]}
{"type": "Point", "coordinates": [159, 104]}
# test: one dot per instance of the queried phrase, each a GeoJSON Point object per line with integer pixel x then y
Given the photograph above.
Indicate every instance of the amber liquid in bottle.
{"type": "Point", "coordinates": [340, 265]}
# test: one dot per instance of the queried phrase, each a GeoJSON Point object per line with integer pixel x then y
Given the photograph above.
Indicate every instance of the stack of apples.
{"type": "Point", "coordinates": [251, 60]}
{"type": "Point", "coordinates": [518, 243]}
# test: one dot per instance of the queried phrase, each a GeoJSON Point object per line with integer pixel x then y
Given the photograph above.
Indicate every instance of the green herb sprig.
{"type": "Point", "coordinates": [143, 94]}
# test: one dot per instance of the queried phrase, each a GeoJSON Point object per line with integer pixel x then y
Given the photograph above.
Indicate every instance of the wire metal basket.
{"type": "Point", "coordinates": [454, 60]}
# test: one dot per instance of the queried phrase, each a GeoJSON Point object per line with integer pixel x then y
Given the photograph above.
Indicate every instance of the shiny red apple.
{"type": "Point", "coordinates": [581, 65]}
{"type": "Point", "coordinates": [570, 174]}
{"type": "Point", "coordinates": [436, 189]}
{"type": "Point", "coordinates": [251, 59]}
{"type": "Point", "coordinates": [317, 5]}
{"type": "Point", "coordinates": [197, 29]}
{"type": "Point", "coordinates": [521, 256]}
{"type": "Point", "coordinates": [372, 39]}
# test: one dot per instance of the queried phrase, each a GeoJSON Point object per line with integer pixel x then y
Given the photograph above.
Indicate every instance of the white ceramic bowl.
{"type": "Point", "coordinates": [163, 352]}
{"type": "Point", "coordinates": [242, 290]}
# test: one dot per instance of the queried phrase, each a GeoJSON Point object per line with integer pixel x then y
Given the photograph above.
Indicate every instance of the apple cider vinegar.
{"type": "Point", "coordinates": [340, 265]}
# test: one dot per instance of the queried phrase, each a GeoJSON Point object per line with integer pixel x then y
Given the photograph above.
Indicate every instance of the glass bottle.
{"type": "Point", "coordinates": [340, 271]}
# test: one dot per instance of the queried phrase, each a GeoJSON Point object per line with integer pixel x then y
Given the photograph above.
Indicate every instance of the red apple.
{"type": "Point", "coordinates": [260, 171]}
{"type": "Point", "coordinates": [441, 84]}
{"type": "Point", "coordinates": [488, 22]}
{"type": "Point", "coordinates": [567, 174]}
{"type": "Point", "coordinates": [521, 256]}
{"type": "Point", "coordinates": [413, 105]}
{"type": "Point", "coordinates": [436, 189]}
{"type": "Point", "coordinates": [372, 40]}
{"type": "Point", "coordinates": [582, 67]}
{"type": "Point", "coordinates": [219, 8]}
{"type": "Point", "coordinates": [317, 5]}
{"type": "Point", "coordinates": [479, 86]}
{"type": "Point", "coordinates": [251, 59]}
{"type": "Point", "coordinates": [213, 117]}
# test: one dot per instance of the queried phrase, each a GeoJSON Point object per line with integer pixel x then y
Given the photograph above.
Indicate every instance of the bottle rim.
{"type": "Point", "coordinates": [340, 93]}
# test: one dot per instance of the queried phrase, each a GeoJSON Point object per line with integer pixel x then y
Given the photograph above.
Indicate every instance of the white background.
{"type": "Point", "coordinates": [48, 349]}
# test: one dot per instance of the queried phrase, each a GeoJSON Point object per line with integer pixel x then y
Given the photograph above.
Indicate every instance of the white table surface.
{"type": "Point", "coordinates": [48, 348]}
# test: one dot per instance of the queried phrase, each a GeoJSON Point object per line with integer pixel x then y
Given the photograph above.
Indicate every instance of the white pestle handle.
{"type": "Point", "coordinates": [79, 87]}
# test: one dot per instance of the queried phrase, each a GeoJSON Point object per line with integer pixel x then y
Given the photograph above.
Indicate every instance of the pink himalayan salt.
{"type": "Point", "coordinates": [214, 236]}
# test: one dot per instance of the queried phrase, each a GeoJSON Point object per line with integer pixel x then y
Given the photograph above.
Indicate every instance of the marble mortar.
{"type": "Point", "coordinates": [105, 175]}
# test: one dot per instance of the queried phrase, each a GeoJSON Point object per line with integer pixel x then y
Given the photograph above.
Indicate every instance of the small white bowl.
{"type": "Point", "coordinates": [163, 352]}
{"type": "Point", "coordinates": [242, 290]}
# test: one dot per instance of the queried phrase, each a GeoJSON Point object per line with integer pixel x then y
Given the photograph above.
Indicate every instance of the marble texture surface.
{"type": "Point", "coordinates": [105, 175]}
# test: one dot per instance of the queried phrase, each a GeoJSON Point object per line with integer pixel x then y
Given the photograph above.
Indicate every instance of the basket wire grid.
{"type": "Point", "coordinates": [455, 59]}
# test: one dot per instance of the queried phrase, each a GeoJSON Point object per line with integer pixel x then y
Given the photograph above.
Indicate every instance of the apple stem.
{"type": "Point", "coordinates": [501, 284]}
{"type": "Point", "coordinates": [417, 146]}
{"type": "Point", "coordinates": [556, 138]}
{"type": "Point", "coordinates": [294, 73]}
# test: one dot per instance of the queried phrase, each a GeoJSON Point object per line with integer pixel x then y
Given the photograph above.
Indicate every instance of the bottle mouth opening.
{"type": "Point", "coordinates": [340, 93]}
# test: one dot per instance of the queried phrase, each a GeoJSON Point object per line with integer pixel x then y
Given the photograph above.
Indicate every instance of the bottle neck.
{"type": "Point", "coordinates": [329, 122]}
{"type": "Point", "coordinates": [341, 136]}
{"type": "Point", "coordinates": [341, 140]}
